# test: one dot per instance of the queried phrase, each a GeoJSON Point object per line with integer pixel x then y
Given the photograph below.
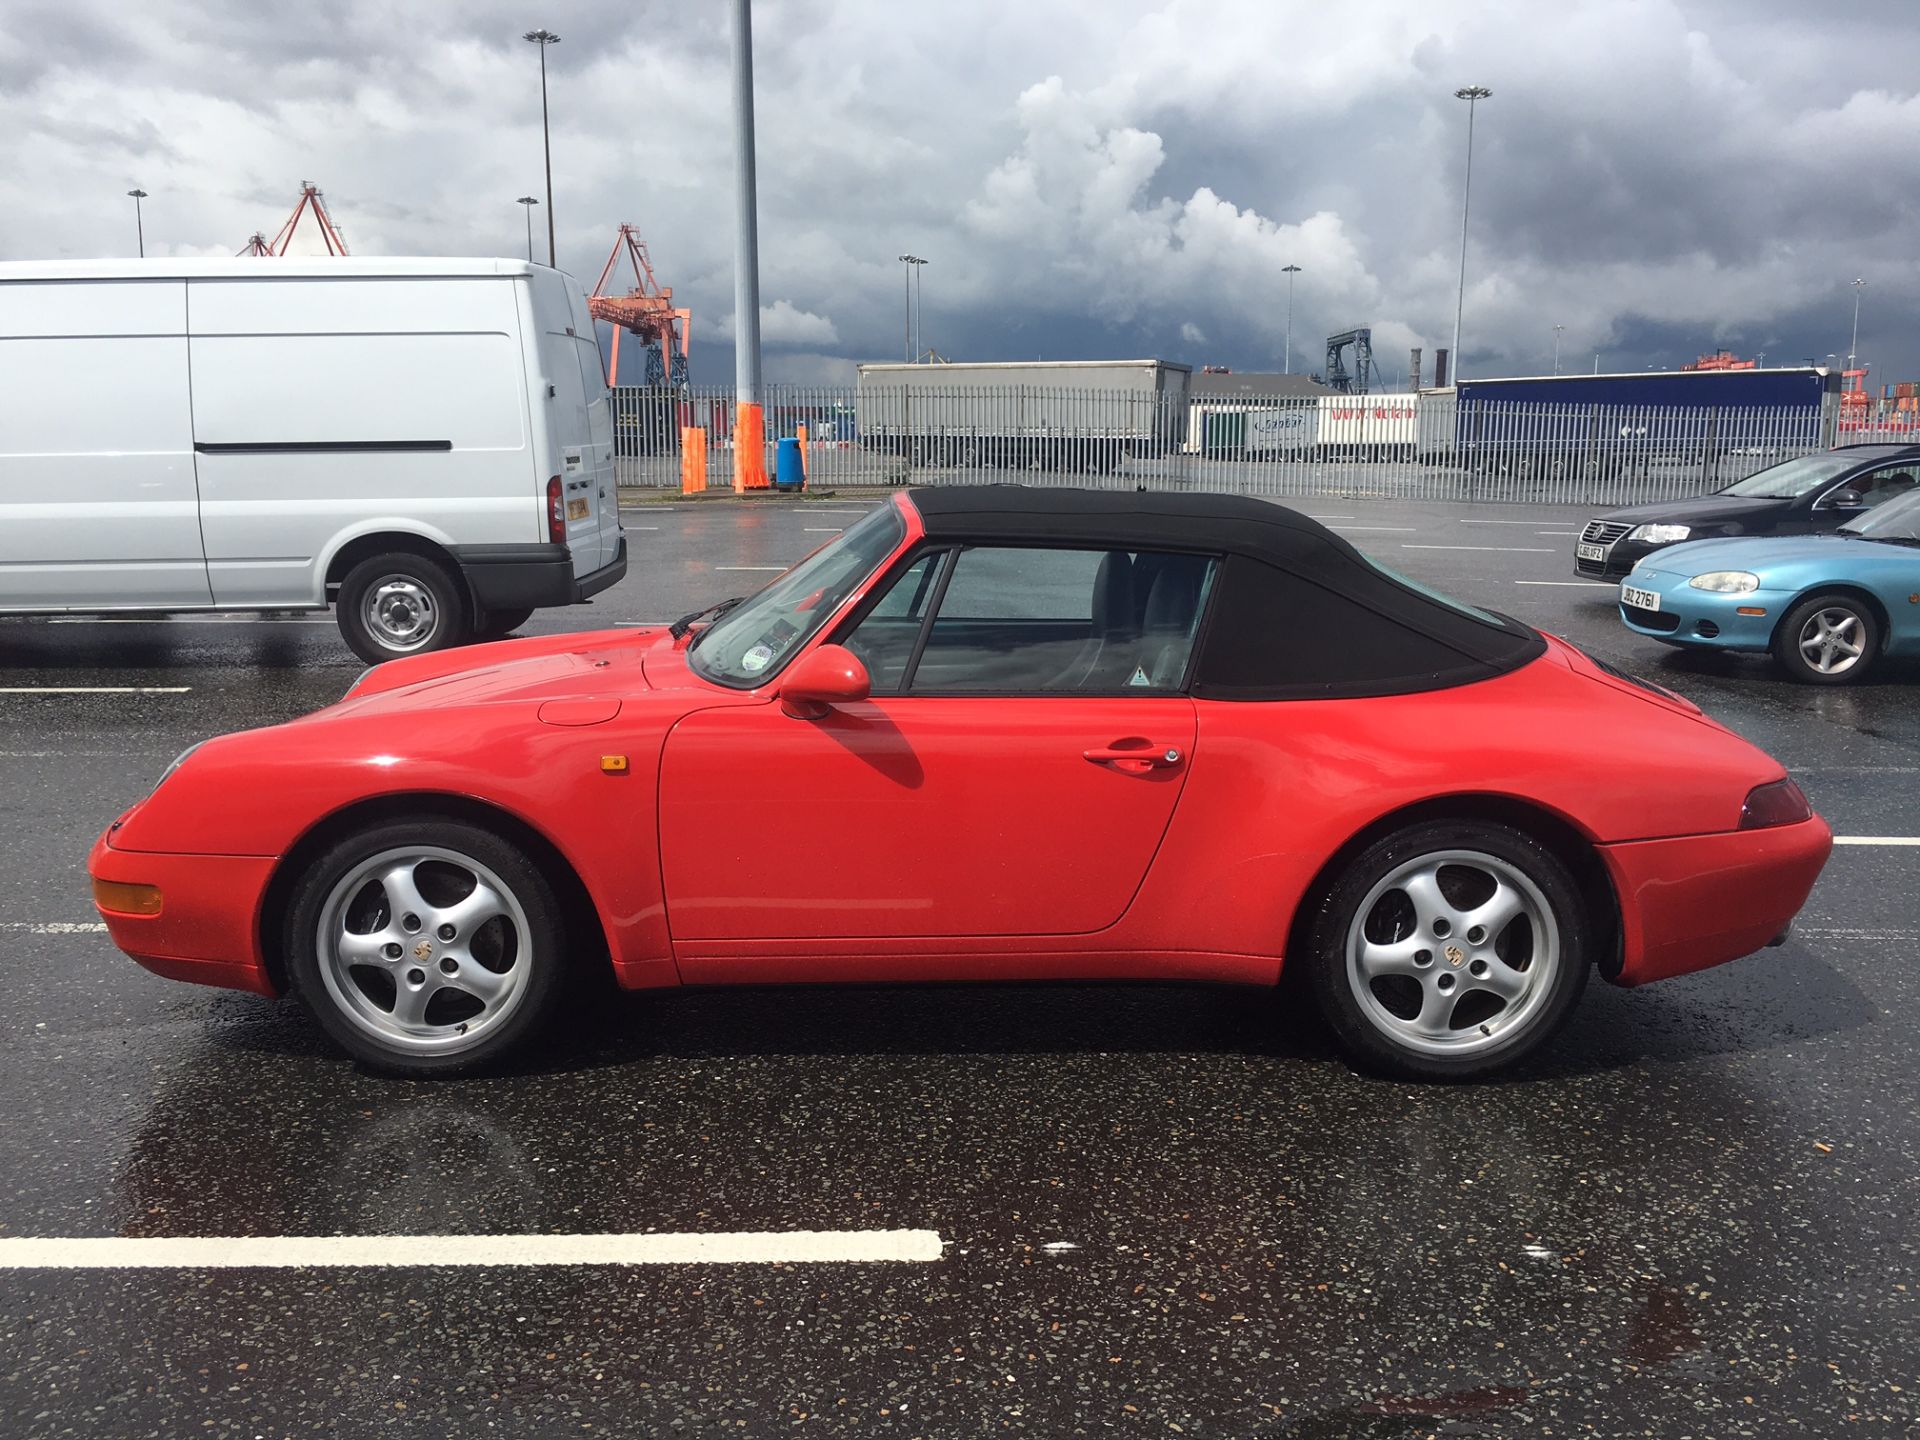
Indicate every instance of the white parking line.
{"type": "Point", "coordinates": [1556, 532]}
{"type": "Point", "coordinates": [1491, 549]}
{"type": "Point", "coordinates": [190, 620]}
{"type": "Point", "coordinates": [740, 1247]}
{"type": "Point", "coordinates": [625, 527]}
{"type": "Point", "coordinates": [1506, 522]}
{"type": "Point", "coordinates": [1394, 529]}
{"type": "Point", "coordinates": [638, 624]}
{"type": "Point", "coordinates": [752, 567]}
{"type": "Point", "coordinates": [1876, 839]}
{"type": "Point", "coordinates": [94, 689]}
{"type": "Point", "coordinates": [1578, 584]}
{"type": "Point", "coordinates": [56, 927]}
{"type": "Point", "coordinates": [823, 529]}
{"type": "Point", "coordinates": [1311, 516]}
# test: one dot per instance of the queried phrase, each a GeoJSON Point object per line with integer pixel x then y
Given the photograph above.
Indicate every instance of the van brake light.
{"type": "Point", "coordinates": [556, 512]}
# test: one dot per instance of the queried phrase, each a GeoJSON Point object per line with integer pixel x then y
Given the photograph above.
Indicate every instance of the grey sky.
{"type": "Point", "coordinates": [1088, 179]}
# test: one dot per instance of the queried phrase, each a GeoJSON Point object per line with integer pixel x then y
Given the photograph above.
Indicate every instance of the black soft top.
{"type": "Point", "coordinates": [1297, 612]}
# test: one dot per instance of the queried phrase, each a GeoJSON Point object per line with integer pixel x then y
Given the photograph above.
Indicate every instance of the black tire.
{"type": "Point", "coordinates": [416, 586]}
{"type": "Point", "coordinates": [358, 1005]}
{"type": "Point", "coordinates": [1372, 1032]}
{"type": "Point", "coordinates": [497, 624]}
{"type": "Point", "coordinates": [1803, 618]}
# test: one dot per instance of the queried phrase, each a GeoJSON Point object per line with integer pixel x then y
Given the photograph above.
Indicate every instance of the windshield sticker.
{"type": "Point", "coordinates": [757, 659]}
{"type": "Point", "coordinates": [1139, 677]}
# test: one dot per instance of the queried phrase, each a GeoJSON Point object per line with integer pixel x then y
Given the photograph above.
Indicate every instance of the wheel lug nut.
{"type": "Point", "coordinates": [448, 964]}
{"type": "Point", "coordinates": [1477, 935]}
{"type": "Point", "coordinates": [1441, 928]}
{"type": "Point", "coordinates": [1423, 957]}
{"type": "Point", "coordinates": [1479, 969]}
{"type": "Point", "coordinates": [1446, 982]}
{"type": "Point", "coordinates": [416, 977]}
{"type": "Point", "coordinates": [409, 923]}
{"type": "Point", "coordinates": [391, 950]}
{"type": "Point", "coordinates": [446, 932]}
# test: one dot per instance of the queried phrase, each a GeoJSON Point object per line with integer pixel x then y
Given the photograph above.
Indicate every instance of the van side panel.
{"type": "Point", "coordinates": [97, 503]}
{"type": "Point", "coordinates": [325, 409]}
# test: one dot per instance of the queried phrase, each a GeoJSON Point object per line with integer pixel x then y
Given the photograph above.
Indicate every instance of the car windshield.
{"type": "Point", "coordinates": [1793, 478]}
{"type": "Point", "coordinates": [750, 644]}
{"type": "Point", "coordinates": [1897, 520]}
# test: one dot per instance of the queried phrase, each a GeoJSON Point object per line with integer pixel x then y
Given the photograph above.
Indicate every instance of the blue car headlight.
{"type": "Point", "coordinates": [1661, 534]}
{"type": "Point", "coordinates": [1726, 582]}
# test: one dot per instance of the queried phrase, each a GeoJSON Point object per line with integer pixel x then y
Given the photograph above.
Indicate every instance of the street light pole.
{"type": "Point", "coordinates": [529, 202]}
{"type": "Point", "coordinates": [1473, 95]}
{"type": "Point", "coordinates": [544, 38]}
{"type": "Point", "coordinates": [1289, 271]}
{"type": "Point", "coordinates": [139, 228]}
{"type": "Point", "coordinates": [1853, 345]}
{"type": "Point", "coordinates": [750, 435]}
{"type": "Point", "coordinates": [906, 291]}
{"type": "Point", "coordinates": [918, 352]}
{"type": "Point", "coordinates": [1556, 348]}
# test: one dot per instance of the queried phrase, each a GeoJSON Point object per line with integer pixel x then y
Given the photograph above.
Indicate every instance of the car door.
{"type": "Point", "coordinates": [1012, 773]}
{"type": "Point", "coordinates": [1860, 492]}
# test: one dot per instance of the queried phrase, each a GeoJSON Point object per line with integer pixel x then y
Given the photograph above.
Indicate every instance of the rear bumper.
{"type": "Point", "coordinates": [1702, 900]}
{"type": "Point", "coordinates": [207, 931]}
{"type": "Point", "coordinates": [532, 577]}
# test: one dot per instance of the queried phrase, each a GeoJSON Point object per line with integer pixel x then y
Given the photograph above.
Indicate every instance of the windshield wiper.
{"type": "Point", "coordinates": [1886, 539]}
{"type": "Point", "coordinates": [685, 623]}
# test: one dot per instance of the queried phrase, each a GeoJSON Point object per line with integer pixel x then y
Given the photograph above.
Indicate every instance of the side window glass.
{"type": "Point", "coordinates": [1883, 485]}
{"type": "Point", "coordinates": [884, 639]}
{"type": "Point", "coordinates": [1031, 621]}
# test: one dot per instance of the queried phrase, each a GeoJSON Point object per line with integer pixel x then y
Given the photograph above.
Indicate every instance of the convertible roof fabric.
{"type": "Point", "coordinates": [1297, 612]}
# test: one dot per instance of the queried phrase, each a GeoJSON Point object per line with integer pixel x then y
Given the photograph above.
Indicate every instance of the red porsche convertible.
{"type": "Point", "coordinates": [988, 733]}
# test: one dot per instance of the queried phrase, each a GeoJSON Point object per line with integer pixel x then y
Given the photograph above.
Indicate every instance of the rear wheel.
{"type": "Point", "coordinates": [1449, 950]}
{"type": "Point", "coordinates": [1827, 640]}
{"type": "Point", "coordinates": [425, 947]}
{"type": "Point", "coordinates": [401, 604]}
{"type": "Point", "coordinates": [497, 624]}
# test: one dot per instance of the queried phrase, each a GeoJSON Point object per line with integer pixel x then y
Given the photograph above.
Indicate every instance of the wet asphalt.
{"type": "Point", "coordinates": [1167, 1210]}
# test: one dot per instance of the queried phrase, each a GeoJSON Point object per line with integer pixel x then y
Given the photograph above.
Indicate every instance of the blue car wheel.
{"type": "Point", "coordinates": [1830, 639]}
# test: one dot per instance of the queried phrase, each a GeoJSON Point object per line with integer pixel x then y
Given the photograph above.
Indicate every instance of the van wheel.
{"type": "Point", "coordinates": [401, 604]}
{"type": "Point", "coordinates": [497, 624]}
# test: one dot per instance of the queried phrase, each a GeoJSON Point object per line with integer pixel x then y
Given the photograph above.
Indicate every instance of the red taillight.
{"type": "Point", "coordinates": [1781, 803]}
{"type": "Point", "coordinates": [556, 512]}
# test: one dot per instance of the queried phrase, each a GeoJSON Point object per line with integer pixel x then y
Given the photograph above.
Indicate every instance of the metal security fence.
{"type": "Point", "coordinates": [1401, 446]}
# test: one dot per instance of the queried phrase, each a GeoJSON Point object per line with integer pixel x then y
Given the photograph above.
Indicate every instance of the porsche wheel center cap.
{"type": "Point", "coordinates": [425, 948]}
{"type": "Point", "coordinates": [1455, 955]}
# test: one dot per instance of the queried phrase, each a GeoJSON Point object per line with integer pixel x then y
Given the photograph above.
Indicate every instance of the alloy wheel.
{"type": "Point", "coordinates": [1832, 640]}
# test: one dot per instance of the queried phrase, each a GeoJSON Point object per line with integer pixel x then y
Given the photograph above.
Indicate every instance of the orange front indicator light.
{"type": "Point", "coordinates": [123, 899]}
{"type": "Point", "coordinates": [613, 764]}
{"type": "Point", "coordinates": [1750, 610]}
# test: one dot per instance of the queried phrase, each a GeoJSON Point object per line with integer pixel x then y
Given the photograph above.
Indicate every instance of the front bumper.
{"type": "Point", "coordinates": [1702, 900]}
{"type": "Point", "coordinates": [1703, 619]}
{"type": "Point", "coordinates": [1620, 559]}
{"type": "Point", "coordinates": [208, 928]}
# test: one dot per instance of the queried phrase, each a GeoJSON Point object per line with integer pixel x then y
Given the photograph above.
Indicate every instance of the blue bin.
{"type": "Point", "coordinates": [788, 472]}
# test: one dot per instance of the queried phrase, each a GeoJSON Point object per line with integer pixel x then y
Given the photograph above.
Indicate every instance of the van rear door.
{"type": "Point", "coordinates": [600, 462]}
{"type": "Point", "coordinates": [569, 429]}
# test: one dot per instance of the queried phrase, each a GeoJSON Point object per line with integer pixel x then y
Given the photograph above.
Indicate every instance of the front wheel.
{"type": "Point", "coordinates": [1449, 950]}
{"type": "Point", "coordinates": [401, 604]}
{"type": "Point", "coordinates": [425, 947]}
{"type": "Point", "coordinates": [1827, 640]}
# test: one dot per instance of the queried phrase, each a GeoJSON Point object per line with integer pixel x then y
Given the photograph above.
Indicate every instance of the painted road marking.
{"type": "Point", "coordinates": [189, 620]}
{"type": "Point", "coordinates": [753, 567]}
{"type": "Point", "coordinates": [823, 529]}
{"type": "Point", "coordinates": [625, 527]}
{"type": "Point", "coordinates": [1876, 839]}
{"type": "Point", "coordinates": [56, 927]}
{"type": "Point", "coordinates": [739, 1247]}
{"type": "Point", "coordinates": [94, 689]}
{"type": "Point", "coordinates": [1395, 529]}
{"type": "Point", "coordinates": [1556, 532]}
{"type": "Point", "coordinates": [638, 624]}
{"type": "Point", "coordinates": [1588, 584]}
{"type": "Point", "coordinates": [1311, 516]}
{"type": "Point", "coordinates": [1512, 522]}
{"type": "Point", "coordinates": [1490, 549]}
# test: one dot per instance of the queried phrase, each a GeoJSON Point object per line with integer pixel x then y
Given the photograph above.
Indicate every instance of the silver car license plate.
{"type": "Point", "coordinates": [1638, 598]}
{"type": "Point", "coordinates": [1591, 552]}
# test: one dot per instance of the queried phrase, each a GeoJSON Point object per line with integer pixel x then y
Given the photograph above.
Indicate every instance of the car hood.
{"type": "Point", "coordinates": [603, 663]}
{"type": "Point", "coordinates": [1697, 510]}
{"type": "Point", "coordinates": [1757, 554]}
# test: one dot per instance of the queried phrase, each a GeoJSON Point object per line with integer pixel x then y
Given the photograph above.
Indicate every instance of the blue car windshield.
{"type": "Point", "coordinates": [752, 642]}
{"type": "Point", "coordinates": [1793, 477]}
{"type": "Point", "coordinates": [1896, 520]}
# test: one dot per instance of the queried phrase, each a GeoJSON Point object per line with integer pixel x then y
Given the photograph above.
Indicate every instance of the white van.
{"type": "Point", "coordinates": [426, 444]}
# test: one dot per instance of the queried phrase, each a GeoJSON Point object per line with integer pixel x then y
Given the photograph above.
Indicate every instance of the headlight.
{"type": "Point", "coordinates": [178, 761]}
{"type": "Point", "coordinates": [1726, 582]}
{"type": "Point", "coordinates": [1661, 534]}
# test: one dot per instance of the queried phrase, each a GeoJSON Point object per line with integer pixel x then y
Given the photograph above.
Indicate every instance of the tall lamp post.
{"type": "Point", "coordinates": [1853, 345]}
{"type": "Point", "coordinates": [544, 38]}
{"type": "Point", "coordinates": [139, 227]}
{"type": "Point", "coordinates": [918, 310]}
{"type": "Point", "coordinates": [1289, 271]}
{"type": "Point", "coordinates": [750, 434]}
{"type": "Point", "coordinates": [912, 262]}
{"type": "Point", "coordinates": [1556, 348]}
{"type": "Point", "coordinates": [1473, 95]}
{"type": "Point", "coordinates": [529, 202]}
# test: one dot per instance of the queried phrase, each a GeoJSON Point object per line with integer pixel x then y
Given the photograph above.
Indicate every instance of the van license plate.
{"type": "Point", "coordinates": [1639, 599]}
{"type": "Point", "coordinates": [576, 509]}
{"type": "Point", "coordinates": [1591, 552]}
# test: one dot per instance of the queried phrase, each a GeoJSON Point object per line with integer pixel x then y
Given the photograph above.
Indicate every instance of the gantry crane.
{"type": "Point", "coordinates": [1361, 381]}
{"type": "Point", "coordinates": [648, 311]}
{"type": "Point", "coordinates": [322, 236]}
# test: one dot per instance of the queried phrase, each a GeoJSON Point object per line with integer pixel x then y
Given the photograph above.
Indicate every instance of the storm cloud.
{"type": "Point", "coordinates": [1658, 177]}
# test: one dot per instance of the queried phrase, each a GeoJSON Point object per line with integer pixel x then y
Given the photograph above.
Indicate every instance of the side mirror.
{"type": "Point", "coordinates": [1846, 500]}
{"type": "Point", "coordinates": [821, 679]}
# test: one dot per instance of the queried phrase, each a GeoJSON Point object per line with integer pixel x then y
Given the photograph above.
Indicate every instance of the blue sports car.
{"type": "Point", "coordinates": [1827, 606]}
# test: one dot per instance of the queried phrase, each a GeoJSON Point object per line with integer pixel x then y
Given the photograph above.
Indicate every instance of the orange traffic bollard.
{"type": "Point", "coordinates": [800, 433]}
{"type": "Point", "coordinates": [693, 459]}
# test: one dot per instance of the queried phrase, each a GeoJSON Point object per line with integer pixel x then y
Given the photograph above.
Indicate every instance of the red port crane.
{"type": "Point", "coordinates": [648, 311]}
